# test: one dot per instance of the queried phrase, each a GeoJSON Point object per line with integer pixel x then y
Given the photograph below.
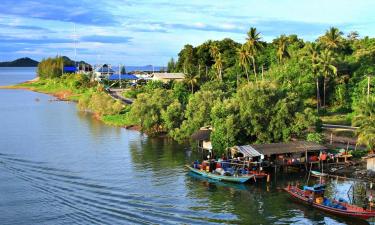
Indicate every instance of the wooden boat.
{"type": "Point", "coordinates": [318, 174]}
{"type": "Point", "coordinates": [314, 196]}
{"type": "Point", "coordinates": [235, 179]}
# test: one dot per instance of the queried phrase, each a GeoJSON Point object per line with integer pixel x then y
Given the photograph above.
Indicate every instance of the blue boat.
{"type": "Point", "coordinates": [233, 178]}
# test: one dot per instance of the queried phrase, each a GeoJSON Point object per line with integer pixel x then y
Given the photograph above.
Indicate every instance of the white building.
{"type": "Point", "coordinates": [103, 72]}
{"type": "Point", "coordinates": [166, 77]}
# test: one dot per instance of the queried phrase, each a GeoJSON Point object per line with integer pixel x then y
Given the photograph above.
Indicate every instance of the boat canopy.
{"type": "Point", "coordinates": [246, 150]}
{"type": "Point", "coordinates": [315, 188]}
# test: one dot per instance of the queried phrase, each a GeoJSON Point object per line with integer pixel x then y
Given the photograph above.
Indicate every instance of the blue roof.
{"type": "Point", "coordinates": [70, 69]}
{"type": "Point", "coordinates": [123, 77]}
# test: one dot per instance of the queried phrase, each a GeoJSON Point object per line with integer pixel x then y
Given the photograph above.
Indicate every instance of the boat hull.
{"type": "Point", "coordinates": [239, 179]}
{"type": "Point", "coordinates": [364, 214]}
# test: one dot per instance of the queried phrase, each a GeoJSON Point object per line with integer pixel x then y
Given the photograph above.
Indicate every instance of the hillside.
{"type": "Point", "coordinates": [22, 62]}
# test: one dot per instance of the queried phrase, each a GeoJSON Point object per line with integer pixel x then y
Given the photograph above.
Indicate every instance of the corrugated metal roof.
{"type": "Point", "coordinates": [123, 77]}
{"type": "Point", "coordinates": [291, 147]}
{"type": "Point", "coordinates": [201, 135]}
{"type": "Point", "coordinates": [247, 151]}
{"type": "Point", "coordinates": [169, 75]}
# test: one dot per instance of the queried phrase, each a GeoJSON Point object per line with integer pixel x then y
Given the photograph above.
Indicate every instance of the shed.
{"type": "Point", "coordinates": [291, 147]}
{"type": "Point", "coordinates": [202, 136]}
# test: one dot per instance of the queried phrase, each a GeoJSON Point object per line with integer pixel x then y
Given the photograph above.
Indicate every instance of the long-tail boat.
{"type": "Point", "coordinates": [228, 178]}
{"type": "Point", "coordinates": [314, 196]}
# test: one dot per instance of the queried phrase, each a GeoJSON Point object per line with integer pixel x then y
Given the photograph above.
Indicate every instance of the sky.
{"type": "Point", "coordinates": [150, 32]}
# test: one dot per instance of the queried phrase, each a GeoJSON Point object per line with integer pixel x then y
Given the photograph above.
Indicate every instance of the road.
{"type": "Point", "coordinates": [116, 94]}
{"type": "Point", "coordinates": [333, 126]}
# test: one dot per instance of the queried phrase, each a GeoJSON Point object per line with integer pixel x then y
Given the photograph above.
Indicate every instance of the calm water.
{"type": "Point", "coordinates": [59, 166]}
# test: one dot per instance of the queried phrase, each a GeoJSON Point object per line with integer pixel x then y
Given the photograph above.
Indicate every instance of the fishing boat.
{"type": "Point", "coordinates": [228, 178]}
{"type": "Point", "coordinates": [314, 196]}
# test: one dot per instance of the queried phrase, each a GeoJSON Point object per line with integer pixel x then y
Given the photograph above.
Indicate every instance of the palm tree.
{"type": "Point", "coordinates": [244, 59]}
{"type": "Point", "coordinates": [254, 44]}
{"type": "Point", "coordinates": [215, 53]}
{"type": "Point", "coordinates": [364, 117]}
{"type": "Point", "coordinates": [214, 50]}
{"type": "Point", "coordinates": [332, 39]}
{"type": "Point", "coordinates": [282, 48]}
{"type": "Point", "coordinates": [313, 58]}
{"type": "Point", "coordinates": [327, 68]}
{"type": "Point", "coordinates": [219, 65]}
{"type": "Point", "coordinates": [191, 79]}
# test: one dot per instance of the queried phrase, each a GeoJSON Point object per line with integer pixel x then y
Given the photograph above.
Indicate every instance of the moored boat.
{"type": "Point", "coordinates": [219, 177]}
{"type": "Point", "coordinates": [314, 196]}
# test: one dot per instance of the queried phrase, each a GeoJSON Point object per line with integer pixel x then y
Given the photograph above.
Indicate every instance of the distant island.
{"type": "Point", "coordinates": [22, 62]}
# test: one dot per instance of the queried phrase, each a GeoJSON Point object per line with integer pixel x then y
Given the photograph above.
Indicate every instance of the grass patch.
{"type": "Point", "coordinates": [344, 133]}
{"type": "Point", "coordinates": [337, 119]}
{"type": "Point", "coordinates": [119, 120]}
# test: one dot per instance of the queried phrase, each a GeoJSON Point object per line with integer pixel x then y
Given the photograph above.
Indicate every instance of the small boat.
{"type": "Point", "coordinates": [318, 174]}
{"type": "Point", "coordinates": [314, 196]}
{"type": "Point", "coordinates": [230, 178]}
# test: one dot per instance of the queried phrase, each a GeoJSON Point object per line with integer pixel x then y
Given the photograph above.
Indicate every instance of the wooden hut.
{"type": "Point", "coordinates": [202, 136]}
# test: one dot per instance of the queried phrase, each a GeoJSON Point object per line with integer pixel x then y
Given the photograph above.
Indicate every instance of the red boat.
{"type": "Point", "coordinates": [314, 196]}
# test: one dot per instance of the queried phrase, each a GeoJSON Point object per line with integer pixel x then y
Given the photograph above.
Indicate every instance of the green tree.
{"type": "Point", "coordinates": [198, 112]}
{"type": "Point", "coordinates": [226, 122]}
{"type": "Point", "coordinates": [171, 66]}
{"type": "Point", "coordinates": [254, 45]}
{"type": "Point", "coordinates": [262, 123]}
{"type": "Point", "coordinates": [192, 79]}
{"type": "Point", "coordinates": [244, 59]}
{"type": "Point", "coordinates": [147, 109]}
{"type": "Point", "coordinates": [219, 66]}
{"type": "Point", "coordinates": [364, 112]}
{"type": "Point", "coordinates": [282, 48]}
{"type": "Point", "coordinates": [312, 56]}
{"type": "Point", "coordinates": [332, 39]}
{"type": "Point", "coordinates": [327, 68]}
{"type": "Point", "coordinates": [172, 117]}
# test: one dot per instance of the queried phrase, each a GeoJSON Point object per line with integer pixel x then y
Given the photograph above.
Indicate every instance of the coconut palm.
{"type": "Point", "coordinates": [191, 79]}
{"type": "Point", "coordinates": [312, 56]}
{"type": "Point", "coordinates": [244, 59]}
{"type": "Point", "coordinates": [332, 39]}
{"type": "Point", "coordinates": [282, 48]}
{"type": "Point", "coordinates": [214, 51]}
{"type": "Point", "coordinates": [327, 68]}
{"type": "Point", "coordinates": [364, 117]}
{"type": "Point", "coordinates": [254, 44]}
{"type": "Point", "coordinates": [219, 65]}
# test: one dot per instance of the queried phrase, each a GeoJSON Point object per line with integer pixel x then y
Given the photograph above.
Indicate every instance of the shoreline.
{"type": "Point", "coordinates": [64, 96]}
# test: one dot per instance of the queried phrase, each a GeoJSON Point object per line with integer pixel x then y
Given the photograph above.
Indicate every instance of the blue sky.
{"type": "Point", "coordinates": [140, 32]}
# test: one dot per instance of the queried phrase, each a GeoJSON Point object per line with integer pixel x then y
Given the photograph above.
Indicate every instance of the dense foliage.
{"type": "Point", "coordinates": [267, 92]}
{"type": "Point", "coordinates": [252, 92]}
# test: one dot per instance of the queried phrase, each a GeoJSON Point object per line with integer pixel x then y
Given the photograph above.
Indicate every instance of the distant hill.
{"type": "Point", "coordinates": [69, 62]}
{"type": "Point", "coordinates": [22, 62]}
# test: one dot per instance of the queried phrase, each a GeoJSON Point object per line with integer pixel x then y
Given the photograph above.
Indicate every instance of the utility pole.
{"type": "Point", "coordinates": [119, 74]}
{"type": "Point", "coordinates": [75, 48]}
